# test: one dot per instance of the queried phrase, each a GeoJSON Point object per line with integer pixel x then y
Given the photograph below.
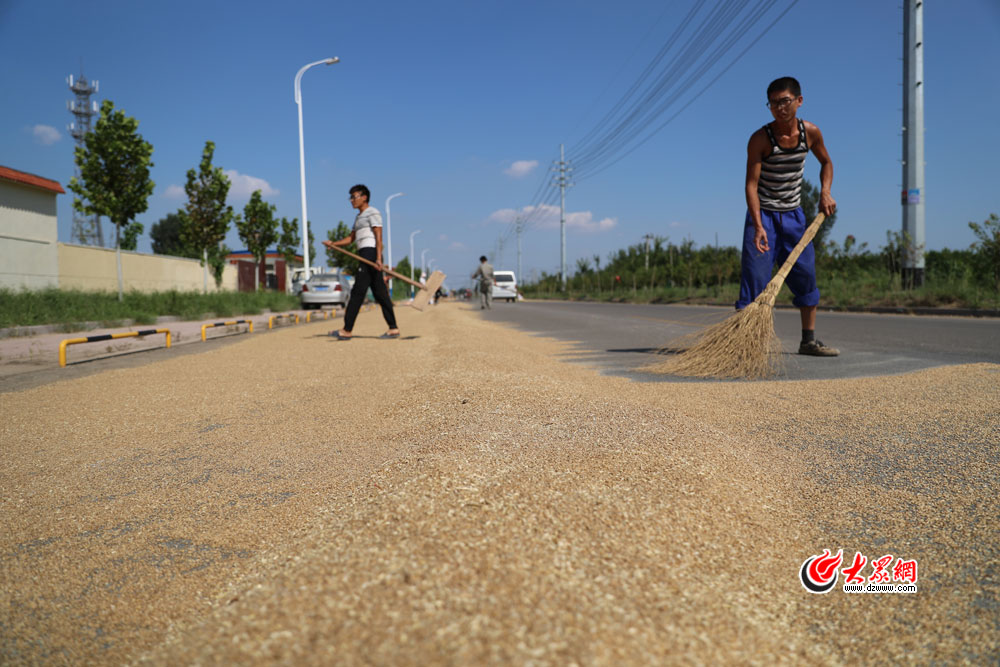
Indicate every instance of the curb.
{"type": "Point", "coordinates": [42, 329]}
{"type": "Point", "coordinates": [76, 327]}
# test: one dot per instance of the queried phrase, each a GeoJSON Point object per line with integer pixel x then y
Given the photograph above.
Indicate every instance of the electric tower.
{"type": "Point", "coordinates": [563, 182]}
{"type": "Point", "coordinates": [86, 228]}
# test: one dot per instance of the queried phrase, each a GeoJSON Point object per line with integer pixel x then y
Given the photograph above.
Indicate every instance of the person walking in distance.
{"type": "Point", "coordinates": [367, 234]}
{"type": "Point", "coordinates": [775, 222]}
{"type": "Point", "coordinates": [486, 282]}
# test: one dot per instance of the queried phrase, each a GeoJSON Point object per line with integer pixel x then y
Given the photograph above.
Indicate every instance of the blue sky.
{"type": "Point", "coordinates": [463, 105]}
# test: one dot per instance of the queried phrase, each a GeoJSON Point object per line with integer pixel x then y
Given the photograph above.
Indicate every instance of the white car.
{"type": "Point", "coordinates": [299, 277]}
{"type": "Point", "coordinates": [505, 286]}
{"type": "Point", "coordinates": [325, 289]}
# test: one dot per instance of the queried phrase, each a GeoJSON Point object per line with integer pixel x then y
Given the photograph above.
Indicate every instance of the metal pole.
{"type": "Point", "coordinates": [519, 277]}
{"type": "Point", "coordinates": [423, 262]}
{"type": "Point", "coordinates": [302, 159]}
{"type": "Point", "coordinates": [413, 259]}
{"type": "Point", "coordinates": [562, 216]}
{"type": "Point", "coordinates": [913, 196]}
{"type": "Point", "coordinates": [388, 232]}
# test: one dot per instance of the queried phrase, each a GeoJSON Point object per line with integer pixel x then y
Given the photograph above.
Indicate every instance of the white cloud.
{"type": "Point", "coordinates": [46, 135]}
{"type": "Point", "coordinates": [443, 237]}
{"type": "Point", "coordinates": [677, 225]}
{"type": "Point", "coordinates": [243, 185]}
{"type": "Point", "coordinates": [174, 192]}
{"type": "Point", "coordinates": [521, 168]}
{"type": "Point", "coordinates": [458, 246]}
{"type": "Point", "coordinates": [547, 217]}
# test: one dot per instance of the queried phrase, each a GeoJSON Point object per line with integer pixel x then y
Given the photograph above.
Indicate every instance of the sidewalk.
{"type": "Point", "coordinates": [24, 349]}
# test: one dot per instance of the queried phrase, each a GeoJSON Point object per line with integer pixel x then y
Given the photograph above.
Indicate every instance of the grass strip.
{"type": "Point", "coordinates": [56, 306]}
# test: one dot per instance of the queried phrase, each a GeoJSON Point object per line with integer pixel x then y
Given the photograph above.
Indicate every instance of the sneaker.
{"type": "Point", "coordinates": [815, 348]}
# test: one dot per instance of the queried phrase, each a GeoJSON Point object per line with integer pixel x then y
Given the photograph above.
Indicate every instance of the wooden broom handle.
{"type": "Point", "coordinates": [384, 270]}
{"type": "Point", "coordinates": [793, 256]}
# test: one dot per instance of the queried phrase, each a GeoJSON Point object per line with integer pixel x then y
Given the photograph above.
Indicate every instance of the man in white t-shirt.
{"type": "Point", "coordinates": [367, 234]}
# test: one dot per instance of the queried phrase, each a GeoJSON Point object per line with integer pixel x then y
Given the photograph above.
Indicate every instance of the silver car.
{"type": "Point", "coordinates": [325, 289]}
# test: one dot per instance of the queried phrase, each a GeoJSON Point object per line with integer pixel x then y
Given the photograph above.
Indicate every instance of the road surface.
{"type": "Point", "coordinates": [621, 338]}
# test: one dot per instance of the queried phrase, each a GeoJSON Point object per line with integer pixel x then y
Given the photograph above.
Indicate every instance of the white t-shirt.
{"type": "Point", "coordinates": [364, 224]}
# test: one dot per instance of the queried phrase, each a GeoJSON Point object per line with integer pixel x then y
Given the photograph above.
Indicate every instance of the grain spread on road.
{"type": "Point", "coordinates": [464, 496]}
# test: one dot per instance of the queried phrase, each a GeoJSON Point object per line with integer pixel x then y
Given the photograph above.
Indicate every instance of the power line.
{"type": "Point", "coordinates": [698, 47]}
{"type": "Point", "coordinates": [691, 101]}
{"type": "Point", "coordinates": [694, 61]}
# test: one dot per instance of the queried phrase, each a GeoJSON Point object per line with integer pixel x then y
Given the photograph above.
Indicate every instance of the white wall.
{"type": "Point", "coordinates": [31, 257]}
{"type": "Point", "coordinates": [90, 268]}
{"type": "Point", "coordinates": [28, 234]}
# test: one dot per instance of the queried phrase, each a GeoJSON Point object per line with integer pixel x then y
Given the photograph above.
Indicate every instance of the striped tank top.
{"type": "Point", "coordinates": [780, 184]}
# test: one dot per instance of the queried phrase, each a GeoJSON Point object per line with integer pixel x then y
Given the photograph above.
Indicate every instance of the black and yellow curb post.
{"type": "Point", "coordinates": [270, 320]}
{"type": "Point", "coordinates": [225, 324]}
{"type": "Point", "coordinates": [94, 339]}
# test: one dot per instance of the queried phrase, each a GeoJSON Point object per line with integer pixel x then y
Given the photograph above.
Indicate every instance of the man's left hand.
{"type": "Point", "coordinates": [827, 204]}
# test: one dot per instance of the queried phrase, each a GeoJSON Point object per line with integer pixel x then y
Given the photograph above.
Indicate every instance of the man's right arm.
{"type": "Point", "coordinates": [757, 148]}
{"type": "Point", "coordinates": [341, 243]}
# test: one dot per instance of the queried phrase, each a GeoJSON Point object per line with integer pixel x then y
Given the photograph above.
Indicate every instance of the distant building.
{"type": "Point", "coordinates": [275, 272]}
{"type": "Point", "coordinates": [29, 255]}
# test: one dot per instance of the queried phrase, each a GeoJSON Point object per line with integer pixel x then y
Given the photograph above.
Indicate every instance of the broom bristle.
{"type": "Point", "coordinates": [743, 345]}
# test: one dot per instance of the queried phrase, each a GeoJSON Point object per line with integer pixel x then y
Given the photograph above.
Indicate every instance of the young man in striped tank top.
{"type": "Point", "coordinates": [775, 222]}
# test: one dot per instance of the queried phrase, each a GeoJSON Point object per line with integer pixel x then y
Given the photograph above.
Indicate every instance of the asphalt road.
{"type": "Point", "coordinates": [621, 338]}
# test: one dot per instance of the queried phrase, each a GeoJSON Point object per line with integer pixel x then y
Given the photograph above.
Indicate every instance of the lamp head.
{"type": "Point", "coordinates": [331, 61]}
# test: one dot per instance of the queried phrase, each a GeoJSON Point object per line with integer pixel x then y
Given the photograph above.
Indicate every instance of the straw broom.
{"type": "Point", "coordinates": [744, 345]}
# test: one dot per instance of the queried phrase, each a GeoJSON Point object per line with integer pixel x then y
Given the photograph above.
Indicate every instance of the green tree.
{"type": "Point", "coordinates": [403, 268]}
{"type": "Point", "coordinates": [290, 241]}
{"type": "Point", "coordinates": [114, 178]}
{"type": "Point", "coordinates": [259, 229]}
{"type": "Point", "coordinates": [348, 265]}
{"type": "Point", "coordinates": [206, 216]}
{"type": "Point", "coordinates": [166, 236]}
{"type": "Point", "coordinates": [810, 207]}
{"type": "Point", "coordinates": [988, 248]}
{"type": "Point", "coordinates": [130, 237]}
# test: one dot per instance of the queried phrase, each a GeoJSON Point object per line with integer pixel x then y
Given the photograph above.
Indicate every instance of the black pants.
{"type": "Point", "coordinates": [368, 277]}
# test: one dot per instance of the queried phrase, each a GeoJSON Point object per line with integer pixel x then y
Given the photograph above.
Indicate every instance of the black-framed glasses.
{"type": "Point", "coordinates": [779, 104]}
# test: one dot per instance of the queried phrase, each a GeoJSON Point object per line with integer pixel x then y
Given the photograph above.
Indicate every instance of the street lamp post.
{"type": "Point", "coordinates": [412, 258]}
{"type": "Point", "coordinates": [388, 230]}
{"type": "Point", "coordinates": [302, 159]}
{"type": "Point", "coordinates": [423, 263]}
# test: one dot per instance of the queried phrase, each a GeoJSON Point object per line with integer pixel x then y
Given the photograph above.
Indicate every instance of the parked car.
{"type": "Point", "coordinates": [325, 289]}
{"type": "Point", "coordinates": [299, 277]}
{"type": "Point", "coordinates": [505, 286]}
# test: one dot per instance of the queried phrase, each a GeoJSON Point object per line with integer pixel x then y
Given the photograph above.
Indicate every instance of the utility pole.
{"type": "Point", "coordinates": [518, 225]}
{"type": "Point", "coordinates": [563, 182]}
{"type": "Point", "coordinates": [500, 254]}
{"type": "Point", "coordinates": [913, 196]}
{"type": "Point", "coordinates": [648, 238]}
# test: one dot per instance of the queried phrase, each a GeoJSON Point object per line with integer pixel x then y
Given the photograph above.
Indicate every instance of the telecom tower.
{"type": "Point", "coordinates": [86, 229]}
